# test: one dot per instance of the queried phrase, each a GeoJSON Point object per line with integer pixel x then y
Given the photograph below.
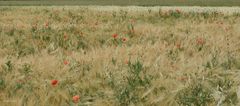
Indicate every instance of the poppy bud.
{"type": "Point", "coordinates": [76, 98]}
{"type": "Point", "coordinates": [54, 82]}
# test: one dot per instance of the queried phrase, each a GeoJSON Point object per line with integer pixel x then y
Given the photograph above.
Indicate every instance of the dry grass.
{"type": "Point", "coordinates": [168, 58]}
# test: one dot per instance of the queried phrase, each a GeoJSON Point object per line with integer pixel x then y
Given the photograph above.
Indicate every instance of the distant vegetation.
{"type": "Point", "coordinates": [125, 2]}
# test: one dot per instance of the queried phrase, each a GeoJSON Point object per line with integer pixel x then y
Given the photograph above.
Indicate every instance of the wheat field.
{"type": "Point", "coordinates": [90, 56]}
{"type": "Point", "coordinates": [228, 3]}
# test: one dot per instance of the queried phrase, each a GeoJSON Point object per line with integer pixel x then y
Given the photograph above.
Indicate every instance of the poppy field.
{"type": "Point", "coordinates": [87, 56]}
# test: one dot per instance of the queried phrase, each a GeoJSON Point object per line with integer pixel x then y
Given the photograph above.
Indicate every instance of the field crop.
{"type": "Point", "coordinates": [123, 2]}
{"type": "Point", "coordinates": [80, 56]}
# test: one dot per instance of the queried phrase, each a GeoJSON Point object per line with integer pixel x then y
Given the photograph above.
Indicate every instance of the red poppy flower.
{"type": "Point", "coordinates": [126, 62]}
{"type": "Point", "coordinates": [133, 21]}
{"type": "Point", "coordinates": [178, 11]}
{"type": "Point", "coordinates": [65, 36]}
{"type": "Point", "coordinates": [66, 62]}
{"type": "Point", "coordinates": [20, 81]}
{"type": "Point", "coordinates": [76, 98]}
{"type": "Point", "coordinates": [46, 24]}
{"type": "Point", "coordinates": [115, 36]}
{"type": "Point", "coordinates": [178, 45]}
{"type": "Point", "coordinates": [124, 39]}
{"type": "Point", "coordinates": [200, 41]}
{"type": "Point", "coordinates": [125, 32]}
{"type": "Point", "coordinates": [54, 82]}
{"type": "Point", "coordinates": [182, 78]}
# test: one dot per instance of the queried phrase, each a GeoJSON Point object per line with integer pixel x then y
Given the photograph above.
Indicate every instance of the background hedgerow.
{"type": "Point", "coordinates": [81, 56]}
